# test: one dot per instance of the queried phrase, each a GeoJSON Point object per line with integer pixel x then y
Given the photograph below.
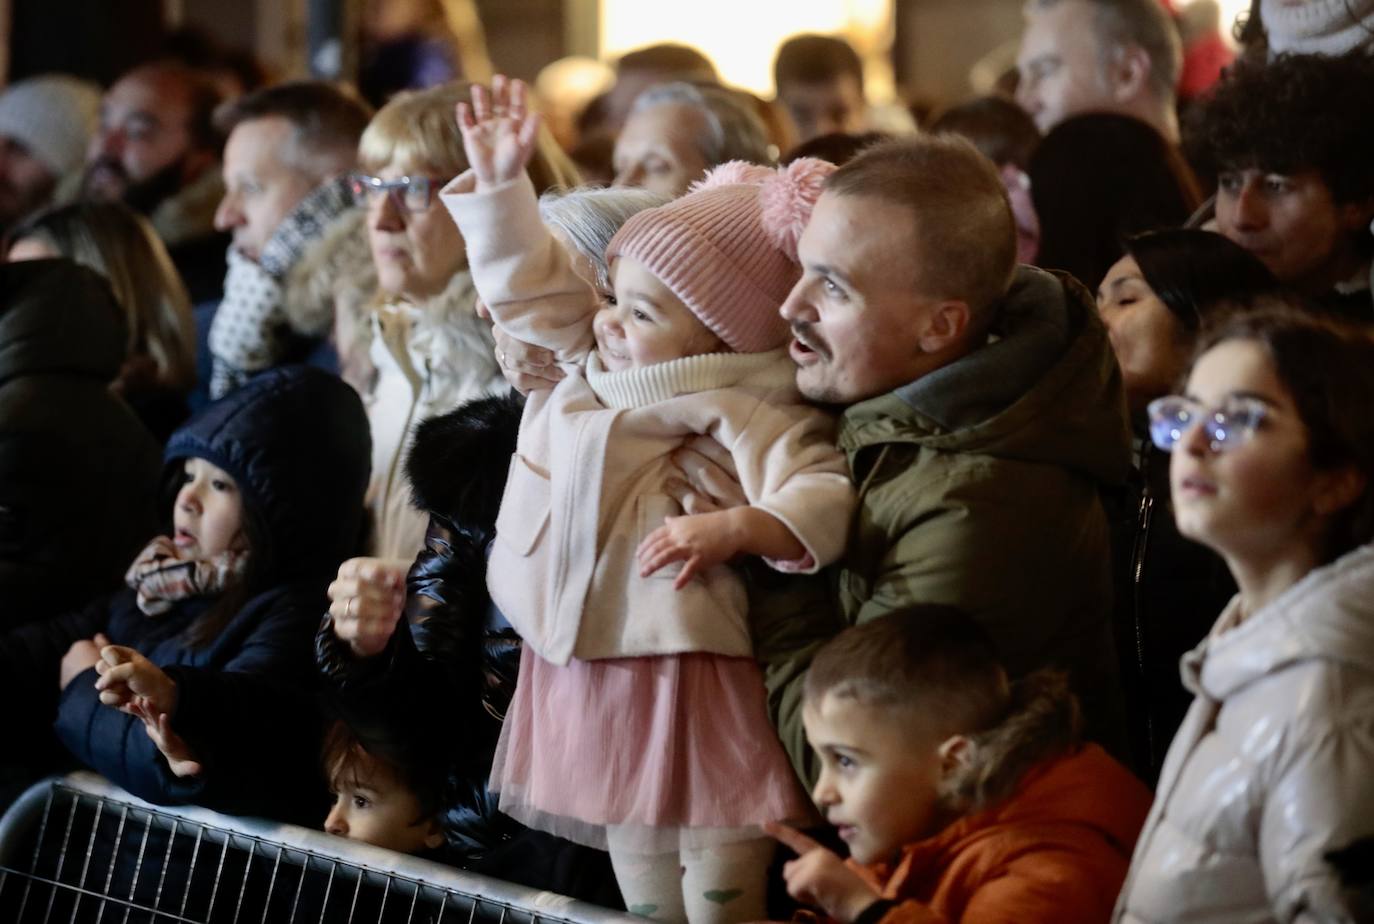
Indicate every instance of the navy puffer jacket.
{"type": "Point", "coordinates": [296, 442]}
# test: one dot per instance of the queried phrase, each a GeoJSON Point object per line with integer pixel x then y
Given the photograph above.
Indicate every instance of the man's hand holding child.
{"type": "Point", "coordinates": [819, 877]}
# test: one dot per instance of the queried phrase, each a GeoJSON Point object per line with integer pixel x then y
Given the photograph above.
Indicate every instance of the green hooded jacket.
{"type": "Point", "coordinates": [978, 487]}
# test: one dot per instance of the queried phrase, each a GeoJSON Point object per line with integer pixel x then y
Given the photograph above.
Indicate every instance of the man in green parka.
{"type": "Point", "coordinates": [982, 412]}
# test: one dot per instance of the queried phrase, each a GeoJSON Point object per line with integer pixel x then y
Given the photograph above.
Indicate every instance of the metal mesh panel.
{"type": "Point", "coordinates": [79, 850]}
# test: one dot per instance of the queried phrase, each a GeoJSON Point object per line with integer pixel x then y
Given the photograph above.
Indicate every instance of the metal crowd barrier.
{"type": "Point", "coordinates": [78, 849]}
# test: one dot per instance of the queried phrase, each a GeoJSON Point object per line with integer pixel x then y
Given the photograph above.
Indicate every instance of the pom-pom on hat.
{"type": "Point", "coordinates": [728, 248]}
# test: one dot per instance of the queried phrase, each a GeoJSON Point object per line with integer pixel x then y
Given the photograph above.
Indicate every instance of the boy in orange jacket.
{"type": "Point", "coordinates": [962, 797]}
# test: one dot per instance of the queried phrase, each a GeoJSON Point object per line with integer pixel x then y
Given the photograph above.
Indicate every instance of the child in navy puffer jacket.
{"type": "Point", "coordinates": [167, 687]}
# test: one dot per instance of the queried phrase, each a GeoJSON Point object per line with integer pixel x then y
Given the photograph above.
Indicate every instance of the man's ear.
{"type": "Point", "coordinates": [1128, 73]}
{"type": "Point", "coordinates": [956, 753]}
{"type": "Point", "coordinates": [945, 327]}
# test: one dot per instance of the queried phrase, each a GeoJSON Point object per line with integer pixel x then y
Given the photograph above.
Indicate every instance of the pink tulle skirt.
{"type": "Point", "coordinates": [644, 755]}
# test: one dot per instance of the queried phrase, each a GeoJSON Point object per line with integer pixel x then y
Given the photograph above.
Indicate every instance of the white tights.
{"type": "Point", "coordinates": [708, 885]}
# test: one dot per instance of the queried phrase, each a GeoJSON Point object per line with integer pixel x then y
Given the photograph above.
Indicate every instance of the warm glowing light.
{"type": "Point", "coordinates": [741, 36]}
{"type": "Point", "coordinates": [1230, 9]}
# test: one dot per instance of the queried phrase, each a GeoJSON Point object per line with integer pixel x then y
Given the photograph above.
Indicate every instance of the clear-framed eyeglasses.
{"type": "Point", "coordinates": [1226, 427]}
{"type": "Point", "coordinates": [411, 193]}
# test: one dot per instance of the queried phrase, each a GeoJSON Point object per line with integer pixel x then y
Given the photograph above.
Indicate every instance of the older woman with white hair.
{"type": "Point", "coordinates": [678, 131]}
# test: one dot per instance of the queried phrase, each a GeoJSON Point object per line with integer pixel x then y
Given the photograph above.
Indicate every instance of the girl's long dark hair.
{"type": "Point", "coordinates": [1194, 272]}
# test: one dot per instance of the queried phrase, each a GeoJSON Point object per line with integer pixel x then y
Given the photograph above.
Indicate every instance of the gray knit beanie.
{"type": "Point", "coordinates": [54, 117]}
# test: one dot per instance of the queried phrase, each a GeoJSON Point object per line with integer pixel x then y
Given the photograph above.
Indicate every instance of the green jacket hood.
{"type": "Point", "coordinates": [1045, 388]}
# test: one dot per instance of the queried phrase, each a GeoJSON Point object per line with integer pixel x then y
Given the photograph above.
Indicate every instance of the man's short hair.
{"type": "Point", "coordinates": [964, 232]}
{"type": "Point", "coordinates": [327, 120]}
{"type": "Point", "coordinates": [928, 660]}
{"type": "Point", "coordinates": [1294, 113]}
{"type": "Point", "coordinates": [680, 62]}
{"type": "Point", "coordinates": [1144, 23]}
{"type": "Point", "coordinates": [734, 130]}
{"type": "Point", "coordinates": [816, 59]}
{"type": "Point", "coordinates": [1003, 131]}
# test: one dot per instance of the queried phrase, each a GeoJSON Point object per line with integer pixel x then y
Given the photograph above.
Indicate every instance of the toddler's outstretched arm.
{"type": "Point", "coordinates": [499, 132]}
{"type": "Point", "coordinates": [704, 540]}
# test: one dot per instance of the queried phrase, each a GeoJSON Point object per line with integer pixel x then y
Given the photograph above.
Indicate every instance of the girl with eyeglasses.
{"type": "Point", "coordinates": [1266, 799]}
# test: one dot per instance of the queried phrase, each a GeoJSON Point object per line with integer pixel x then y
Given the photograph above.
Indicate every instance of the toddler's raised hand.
{"type": "Point", "coordinates": [819, 877]}
{"type": "Point", "coordinates": [366, 600]}
{"type": "Point", "coordinates": [125, 675]}
{"type": "Point", "coordinates": [499, 130]}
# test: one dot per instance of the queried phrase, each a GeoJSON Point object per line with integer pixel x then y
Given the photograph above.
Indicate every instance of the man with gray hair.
{"type": "Point", "coordinates": [45, 124]}
{"type": "Point", "coordinates": [287, 166]}
{"type": "Point", "coordinates": [1118, 56]}
{"type": "Point", "coordinates": [678, 131]}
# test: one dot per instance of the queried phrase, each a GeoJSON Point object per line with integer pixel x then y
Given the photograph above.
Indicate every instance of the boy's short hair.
{"type": "Point", "coordinates": [816, 59]}
{"type": "Point", "coordinates": [345, 757]}
{"type": "Point", "coordinates": [930, 660]}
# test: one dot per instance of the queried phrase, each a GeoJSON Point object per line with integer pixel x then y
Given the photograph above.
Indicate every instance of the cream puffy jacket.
{"type": "Point", "coordinates": [429, 359]}
{"type": "Point", "coordinates": [587, 481]}
{"type": "Point", "coordinates": [1271, 776]}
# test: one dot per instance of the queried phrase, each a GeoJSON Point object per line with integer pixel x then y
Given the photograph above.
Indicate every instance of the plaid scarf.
{"type": "Point", "coordinates": [162, 577]}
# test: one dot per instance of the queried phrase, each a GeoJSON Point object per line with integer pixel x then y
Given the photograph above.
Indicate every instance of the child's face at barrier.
{"type": "Point", "coordinates": [375, 808]}
{"type": "Point", "coordinates": [645, 323]}
{"type": "Point", "coordinates": [207, 518]}
{"type": "Point", "coordinates": [879, 776]}
{"type": "Point", "coordinates": [1260, 498]}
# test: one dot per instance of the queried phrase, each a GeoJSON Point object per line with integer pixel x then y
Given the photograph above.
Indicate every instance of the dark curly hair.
{"type": "Point", "coordinates": [1294, 113]}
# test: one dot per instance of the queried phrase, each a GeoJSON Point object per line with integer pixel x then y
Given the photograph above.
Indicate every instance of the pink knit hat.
{"type": "Point", "coordinates": [728, 248]}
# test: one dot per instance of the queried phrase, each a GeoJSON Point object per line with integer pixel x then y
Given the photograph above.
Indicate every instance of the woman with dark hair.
{"type": "Point", "coordinates": [1268, 780]}
{"type": "Point", "coordinates": [1096, 180]}
{"type": "Point", "coordinates": [1156, 298]}
{"type": "Point", "coordinates": [1154, 301]}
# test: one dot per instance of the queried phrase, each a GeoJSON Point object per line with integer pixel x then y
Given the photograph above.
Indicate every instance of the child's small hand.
{"type": "Point", "coordinates": [366, 601]}
{"type": "Point", "coordinates": [82, 656]}
{"type": "Point", "coordinates": [702, 541]}
{"type": "Point", "coordinates": [126, 676]}
{"type": "Point", "coordinates": [158, 727]}
{"type": "Point", "coordinates": [819, 877]}
{"type": "Point", "coordinates": [499, 132]}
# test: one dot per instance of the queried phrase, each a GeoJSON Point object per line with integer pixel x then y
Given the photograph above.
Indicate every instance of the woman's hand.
{"type": "Point", "coordinates": [127, 676]}
{"type": "Point", "coordinates": [499, 131]}
{"type": "Point", "coordinates": [366, 601]}
{"type": "Point", "coordinates": [82, 656]}
{"type": "Point", "coordinates": [819, 877]}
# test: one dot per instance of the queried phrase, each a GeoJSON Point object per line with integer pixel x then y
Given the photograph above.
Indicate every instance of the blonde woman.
{"type": "Point", "coordinates": [427, 350]}
{"type": "Point", "coordinates": [115, 241]}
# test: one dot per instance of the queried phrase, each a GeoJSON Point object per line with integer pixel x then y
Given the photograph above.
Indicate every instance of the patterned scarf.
{"type": "Point", "coordinates": [162, 577]}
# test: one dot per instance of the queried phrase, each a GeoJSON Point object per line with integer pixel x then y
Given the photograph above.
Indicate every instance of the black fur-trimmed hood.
{"type": "Point", "coordinates": [458, 462]}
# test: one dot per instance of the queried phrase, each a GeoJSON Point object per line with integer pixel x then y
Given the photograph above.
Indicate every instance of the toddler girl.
{"type": "Point", "coordinates": [639, 722]}
{"type": "Point", "coordinates": [1268, 788]}
{"type": "Point", "coordinates": [270, 483]}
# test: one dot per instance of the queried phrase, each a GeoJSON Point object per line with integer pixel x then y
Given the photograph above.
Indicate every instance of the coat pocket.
{"type": "Point", "coordinates": [524, 507]}
{"type": "Point", "coordinates": [650, 512]}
